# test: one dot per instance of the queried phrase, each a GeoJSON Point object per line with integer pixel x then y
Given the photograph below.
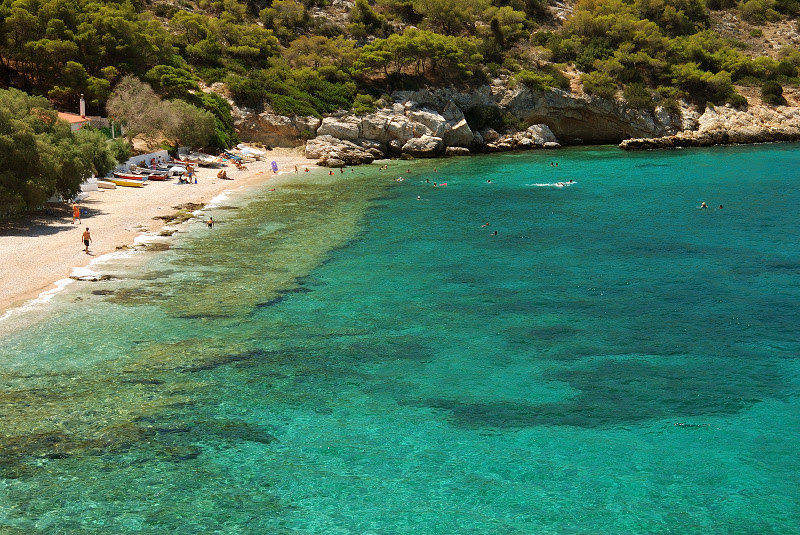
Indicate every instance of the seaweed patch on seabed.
{"type": "Point", "coordinates": [135, 296]}
{"type": "Point", "coordinates": [281, 296]}
{"type": "Point", "coordinates": [111, 408]}
{"type": "Point", "coordinates": [620, 392]}
{"type": "Point", "coordinates": [89, 413]}
{"type": "Point", "coordinates": [192, 355]}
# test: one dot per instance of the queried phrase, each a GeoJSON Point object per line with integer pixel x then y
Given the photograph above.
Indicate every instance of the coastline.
{"type": "Point", "coordinates": [40, 256]}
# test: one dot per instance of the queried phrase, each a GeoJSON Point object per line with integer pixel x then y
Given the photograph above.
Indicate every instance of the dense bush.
{"type": "Point", "coordinates": [544, 79]}
{"type": "Point", "coordinates": [599, 84]}
{"type": "Point", "coordinates": [421, 52]}
{"type": "Point", "coordinates": [758, 11]}
{"type": "Point", "coordinates": [637, 96]}
{"type": "Point", "coordinates": [772, 93]}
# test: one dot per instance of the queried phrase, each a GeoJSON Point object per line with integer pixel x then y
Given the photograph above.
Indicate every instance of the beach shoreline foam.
{"type": "Point", "coordinates": [37, 259]}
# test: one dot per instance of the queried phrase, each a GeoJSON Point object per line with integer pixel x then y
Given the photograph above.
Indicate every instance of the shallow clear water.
{"type": "Point", "coordinates": [337, 356]}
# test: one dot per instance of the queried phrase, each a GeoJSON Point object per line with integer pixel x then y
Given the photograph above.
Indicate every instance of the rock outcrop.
{"type": "Point", "coordinates": [425, 146]}
{"type": "Point", "coordinates": [347, 128]}
{"type": "Point", "coordinates": [272, 129]}
{"type": "Point", "coordinates": [536, 136]}
{"type": "Point", "coordinates": [587, 119]}
{"type": "Point", "coordinates": [334, 152]}
{"type": "Point", "coordinates": [725, 125]}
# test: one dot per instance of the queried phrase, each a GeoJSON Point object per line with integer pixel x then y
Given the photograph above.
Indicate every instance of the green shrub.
{"type": "Point", "coordinates": [512, 122]}
{"type": "Point", "coordinates": [772, 93]}
{"type": "Point", "coordinates": [120, 149]}
{"type": "Point", "coordinates": [597, 48]}
{"type": "Point", "coordinates": [363, 104]}
{"type": "Point", "coordinates": [788, 7]}
{"type": "Point", "coordinates": [786, 68]}
{"type": "Point", "coordinates": [286, 105]}
{"type": "Point", "coordinates": [599, 84]}
{"type": "Point", "coordinates": [543, 79]}
{"type": "Point", "coordinates": [638, 96]}
{"type": "Point", "coordinates": [737, 100]}
{"type": "Point", "coordinates": [756, 32]}
{"type": "Point", "coordinates": [758, 11]}
{"type": "Point", "coordinates": [246, 91]}
{"type": "Point", "coordinates": [364, 21]}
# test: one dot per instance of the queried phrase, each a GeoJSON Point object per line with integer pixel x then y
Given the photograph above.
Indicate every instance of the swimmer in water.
{"type": "Point", "coordinates": [703, 205]}
{"type": "Point", "coordinates": [485, 224]}
{"type": "Point", "coordinates": [419, 198]}
{"type": "Point", "coordinates": [494, 233]}
{"type": "Point", "coordinates": [427, 181]}
{"type": "Point", "coordinates": [435, 185]}
{"type": "Point", "coordinates": [720, 207]}
{"type": "Point", "coordinates": [488, 181]}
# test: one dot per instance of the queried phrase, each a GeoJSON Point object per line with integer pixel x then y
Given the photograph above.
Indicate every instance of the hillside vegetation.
{"type": "Point", "coordinates": [311, 58]}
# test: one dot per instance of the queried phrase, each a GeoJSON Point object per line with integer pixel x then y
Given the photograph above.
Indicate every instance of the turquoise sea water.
{"type": "Point", "coordinates": [338, 357]}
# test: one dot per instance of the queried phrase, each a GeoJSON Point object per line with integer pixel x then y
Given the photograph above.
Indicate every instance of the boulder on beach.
{"type": "Point", "coordinates": [334, 152]}
{"type": "Point", "coordinates": [424, 146]}
{"type": "Point", "coordinates": [346, 128]}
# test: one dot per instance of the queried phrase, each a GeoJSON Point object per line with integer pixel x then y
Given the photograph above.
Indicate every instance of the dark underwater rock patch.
{"type": "Point", "coordinates": [621, 392]}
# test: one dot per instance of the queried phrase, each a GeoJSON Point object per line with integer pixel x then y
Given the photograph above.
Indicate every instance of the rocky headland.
{"type": "Point", "coordinates": [449, 122]}
{"type": "Point", "coordinates": [724, 125]}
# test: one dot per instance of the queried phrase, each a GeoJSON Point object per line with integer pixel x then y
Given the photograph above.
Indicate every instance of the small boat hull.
{"type": "Point", "coordinates": [130, 183]}
{"type": "Point", "coordinates": [130, 176]}
{"type": "Point", "coordinates": [106, 184]}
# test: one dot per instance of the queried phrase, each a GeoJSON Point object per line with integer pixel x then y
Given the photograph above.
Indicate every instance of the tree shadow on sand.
{"type": "Point", "coordinates": [52, 219]}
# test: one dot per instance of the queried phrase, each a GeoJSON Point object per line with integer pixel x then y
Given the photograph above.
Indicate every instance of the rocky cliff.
{"type": "Point", "coordinates": [725, 125]}
{"type": "Point", "coordinates": [435, 122]}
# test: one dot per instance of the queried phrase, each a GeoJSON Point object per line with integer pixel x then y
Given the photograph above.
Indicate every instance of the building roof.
{"type": "Point", "coordinates": [72, 118]}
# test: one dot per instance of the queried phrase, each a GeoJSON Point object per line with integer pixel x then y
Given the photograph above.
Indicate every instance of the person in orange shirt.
{"type": "Point", "coordinates": [76, 213]}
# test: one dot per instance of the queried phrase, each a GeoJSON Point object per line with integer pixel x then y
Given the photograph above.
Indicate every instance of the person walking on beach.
{"type": "Point", "coordinates": [76, 213]}
{"type": "Point", "coordinates": [87, 238]}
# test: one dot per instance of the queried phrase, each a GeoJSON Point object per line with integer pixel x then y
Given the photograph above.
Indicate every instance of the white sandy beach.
{"type": "Point", "coordinates": [36, 255]}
